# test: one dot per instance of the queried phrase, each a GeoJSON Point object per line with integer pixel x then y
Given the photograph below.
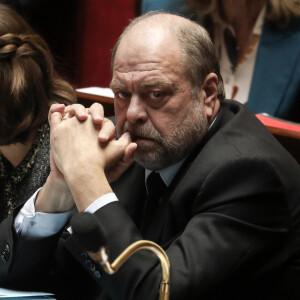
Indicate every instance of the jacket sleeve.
{"type": "Point", "coordinates": [233, 239]}
{"type": "Point", "coordinates": [23, 260]}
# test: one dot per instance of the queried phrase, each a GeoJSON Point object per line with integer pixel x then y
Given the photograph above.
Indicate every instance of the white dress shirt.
{"type": "Point", "coordinates": [39, 224]}
{"type": "Point", "coordinates": [237, 79]}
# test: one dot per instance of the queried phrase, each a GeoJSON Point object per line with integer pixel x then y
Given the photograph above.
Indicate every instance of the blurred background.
{"type": "Point", "coordinates": [80, 33]}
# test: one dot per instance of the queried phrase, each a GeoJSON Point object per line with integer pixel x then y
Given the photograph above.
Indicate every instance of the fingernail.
{"type": "Point", "coordinates": [103, 136]}
{"type": "Point", "coordinates": [127, 135]}
{"type": "Point", "coordinates": [98, 119]}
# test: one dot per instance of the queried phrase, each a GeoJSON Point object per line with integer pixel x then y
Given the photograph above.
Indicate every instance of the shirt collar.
{"type": "Point", "coordinates": [259, 22]}
{"type": "Point", "coordinates": [168, 173]}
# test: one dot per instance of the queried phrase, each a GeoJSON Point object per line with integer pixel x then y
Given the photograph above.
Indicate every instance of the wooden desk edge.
{"type": "Point", "coordinates": [93, 97]}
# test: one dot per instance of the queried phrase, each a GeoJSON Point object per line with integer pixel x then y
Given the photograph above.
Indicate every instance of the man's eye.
{"type": "Point", "coordinates": [156, 95]}
{"type": "Point", "coordinates": [123, 95]}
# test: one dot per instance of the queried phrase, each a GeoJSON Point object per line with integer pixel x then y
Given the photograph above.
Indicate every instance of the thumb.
{"type": "Point", "coordinates": [125, 139]}
{"type": "Point", "coordinates": [130, 148]}
{"type": "Point", "coordinates": [128, 157]}
{"type": "Point", "coordinates": [119, 147]}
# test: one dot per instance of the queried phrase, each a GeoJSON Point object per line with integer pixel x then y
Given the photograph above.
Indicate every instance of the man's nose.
{"type": "Point", "coordinates": [136, 111]}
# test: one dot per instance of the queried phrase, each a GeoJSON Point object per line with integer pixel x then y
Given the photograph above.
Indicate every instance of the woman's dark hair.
{"type": "Point", "coordinates": [28, 82]}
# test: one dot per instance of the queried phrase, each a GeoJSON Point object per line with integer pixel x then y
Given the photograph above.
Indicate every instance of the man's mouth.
{"type": "Point", "coordinates": [141, 139]}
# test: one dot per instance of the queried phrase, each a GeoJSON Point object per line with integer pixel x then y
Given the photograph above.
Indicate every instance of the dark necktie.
{"type": "Point", "coordinates": [155, 189]}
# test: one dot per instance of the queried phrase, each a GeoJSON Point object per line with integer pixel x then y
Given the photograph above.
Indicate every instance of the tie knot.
{"type": "Point", "coordinates": [155, 185]}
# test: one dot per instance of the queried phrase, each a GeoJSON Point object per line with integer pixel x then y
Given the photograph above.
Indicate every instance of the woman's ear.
{"type": "Point", "coordinates": [210, 100]}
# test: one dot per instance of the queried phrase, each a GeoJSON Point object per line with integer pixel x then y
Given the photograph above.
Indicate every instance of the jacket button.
{"type": "Point", "coordinates": [93, 267]}
{"type": "Point", "coordinates": [5, 253]}
{"type": "Point", "coordinates": [97, 274]}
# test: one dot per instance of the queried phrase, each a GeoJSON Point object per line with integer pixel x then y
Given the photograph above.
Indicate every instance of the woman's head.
{"type": "Point", "coordinates": [28, 82]}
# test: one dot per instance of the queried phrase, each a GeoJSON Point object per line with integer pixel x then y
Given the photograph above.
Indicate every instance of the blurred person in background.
{"type": "Point", "coordinates": [173, 6]}
{"type": "Point", "coordinates": [257, 43]}
{"type": "Point", "coordinates": [258, 46]}
{"type": "Point", "coordinates": [28, 86]}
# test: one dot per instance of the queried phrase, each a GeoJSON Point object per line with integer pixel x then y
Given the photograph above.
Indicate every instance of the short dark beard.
{"type": "Point", "coordinates": [166, 151]}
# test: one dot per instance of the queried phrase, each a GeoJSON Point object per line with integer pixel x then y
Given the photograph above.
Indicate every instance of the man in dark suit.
{"type": "Point", "coordinates": [228, 212]}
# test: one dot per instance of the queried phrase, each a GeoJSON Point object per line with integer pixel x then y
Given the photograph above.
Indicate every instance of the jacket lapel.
{"type": "Point", "coordinates": [175, 209]}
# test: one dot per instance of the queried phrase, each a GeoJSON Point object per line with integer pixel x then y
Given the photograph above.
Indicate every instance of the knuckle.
{"type": "Point", "coordinates": [55, 114]}
{"type": "Point", "coordinates": [96, 106]}
{"type": "Point", "coordinates": [54, 106]}
{"type": "Point", "coordinates": [77, 106]}
{"type": "Point", "coordinates": [108, 122]}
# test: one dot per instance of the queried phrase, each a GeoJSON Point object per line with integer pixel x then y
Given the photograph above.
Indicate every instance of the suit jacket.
{"type": "Point", "coordinates": [229, 223]}
{"type": "Point", "coordinates": [275, 86]}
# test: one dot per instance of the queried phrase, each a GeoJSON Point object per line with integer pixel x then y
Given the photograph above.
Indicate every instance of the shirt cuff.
{"type": "Point", "coordinates": [102, 201]}
{"type": "Point", "coordinates": [37, 224]}
{"type": "Point", "coordinates": [99, 203]}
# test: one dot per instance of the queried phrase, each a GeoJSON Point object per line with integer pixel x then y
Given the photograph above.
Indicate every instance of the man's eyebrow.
{"type": "Point", "coordinates": [158, 83]}
{"type": "Point", "coordinates": [116, 85]}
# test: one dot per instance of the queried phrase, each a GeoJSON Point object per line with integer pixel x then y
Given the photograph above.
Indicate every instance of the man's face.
{"type": "Point", "coordinates": [152, 99]}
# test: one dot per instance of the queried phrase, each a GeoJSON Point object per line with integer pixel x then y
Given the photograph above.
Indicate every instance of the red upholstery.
{"type": "Point", "coordinates": [99, 24]}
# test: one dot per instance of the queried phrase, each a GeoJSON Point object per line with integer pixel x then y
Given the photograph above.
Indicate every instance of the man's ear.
{"type": "Point", "coordinates": [210, 94]}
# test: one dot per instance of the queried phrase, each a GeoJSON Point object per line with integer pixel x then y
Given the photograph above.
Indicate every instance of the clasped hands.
{"type": "Point", "coordinates": [85, 157]}
{"type": "Point", "coordinates": [87, 140]}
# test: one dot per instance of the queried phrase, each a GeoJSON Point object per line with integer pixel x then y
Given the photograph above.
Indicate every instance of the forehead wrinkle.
{"type": "Point", "coordinates": [116, 85]}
